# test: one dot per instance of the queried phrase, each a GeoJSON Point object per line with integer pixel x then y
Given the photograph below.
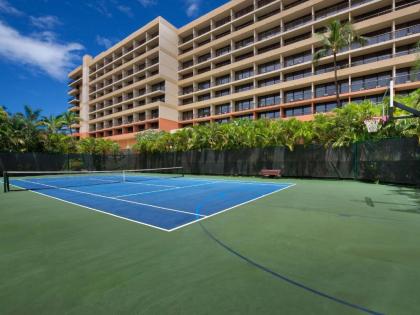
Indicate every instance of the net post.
{"type": "Point", "coordinates": [5, 181]}
{"type": "Point", "coordinates": [182, 172]}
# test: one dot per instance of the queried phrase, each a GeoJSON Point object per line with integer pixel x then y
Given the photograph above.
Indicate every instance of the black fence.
{"type": "Point", "coordinates": [389, 161]}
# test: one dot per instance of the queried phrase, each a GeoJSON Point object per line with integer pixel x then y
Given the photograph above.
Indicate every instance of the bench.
{"type": "Point", "coordinates": [270, 173]}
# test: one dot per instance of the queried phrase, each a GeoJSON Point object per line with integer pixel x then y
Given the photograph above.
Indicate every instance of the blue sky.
{"type": "Point", "coordinates": [40, 40]}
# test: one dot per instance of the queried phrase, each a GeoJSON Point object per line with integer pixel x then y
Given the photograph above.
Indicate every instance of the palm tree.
{"type": "Point", "coordinates": [52, 123]}
{"type": "Point", "coordinates": [30, 123]}
{"type": "Point", "coordinates": [337, 37]}
{"type": "Point", "coordinates": [69, 119]}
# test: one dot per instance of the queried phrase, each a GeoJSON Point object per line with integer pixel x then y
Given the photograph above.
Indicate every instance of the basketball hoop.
{"type": "Point", "coordinates": [372, 124]}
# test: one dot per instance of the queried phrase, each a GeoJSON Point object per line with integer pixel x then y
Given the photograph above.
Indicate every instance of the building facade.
{"type": "Point", "coordinates": [248, 59]}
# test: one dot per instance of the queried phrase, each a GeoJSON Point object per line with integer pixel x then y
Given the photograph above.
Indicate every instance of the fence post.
{"type": "Point", "coordinates": [356, 162]}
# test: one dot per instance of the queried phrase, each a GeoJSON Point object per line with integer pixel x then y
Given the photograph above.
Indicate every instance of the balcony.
{"type": "Point", "coordinates": [73, 100]}
{"type": "Point", "coordinates": [73, 82]}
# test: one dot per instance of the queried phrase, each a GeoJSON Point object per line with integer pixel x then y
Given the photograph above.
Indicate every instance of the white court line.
{"type": "Point", "coordinates": [169, 189]}
{"type": "Point", "coordinates": [136, 183]}
{"type": "Point", "coordinates": [233, 181]}
{"type": "Point", "coordinates": [97, 210]}
{"type": "Point", "coordinates": [113, 198]}
{"type": "Point", "coordinates": [235, 206]}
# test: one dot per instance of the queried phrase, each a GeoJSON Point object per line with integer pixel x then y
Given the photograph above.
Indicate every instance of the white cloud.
{"type": "Point", "coordinates": [126, 10]}
{"type": "Point", "coordinates": [103, 41]}
{"type": "Point", "coordinates": [40, 51]}
{"type": "Point", "coordinates": [148, 3]}
{"type": "Point", "coordinates": [45, 22]}
{"type": "Point", "coordinates": [7, 8]}
{"type": "Point", "coordinates": [101, 7]}
{"type": "Point", "coordinates": [193, 7]}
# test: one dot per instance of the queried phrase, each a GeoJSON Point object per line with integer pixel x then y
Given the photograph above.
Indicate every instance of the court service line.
{"type": "Point", "coordinates": [169, 189]}
{"type": "Point", "coordinates": [97, 210]}
{"type": "Point", "coordinates": [112, 198]}
{"type": "Point", "coordinates": [233, 207]}
{"type": "Point", "coordinates": [235, 181]}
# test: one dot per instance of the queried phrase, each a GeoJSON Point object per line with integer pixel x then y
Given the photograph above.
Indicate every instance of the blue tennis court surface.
{"type": "Point", "coordinates": [164, 203]}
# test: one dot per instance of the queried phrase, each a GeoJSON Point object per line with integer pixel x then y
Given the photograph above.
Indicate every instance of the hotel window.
{"type": "Point", "coordinates": [187, 64]}
{"type": "Point", "coordinates": [221, 93]}
{"type": "Point", "coordinates": [298, 111]}
{"type": "Point", "coordinates": [407, 29]}
{"type": "Point", "coordinates": [160, 98]}
{"type": "Point", "coordinates": [246, 73]}
{"type": "Point", "coordinates": [204, 57]}
{"type": "Point", "coordinates": [203, 30]}
{"type": "Point", "coordinates": [325, 107]}
{"type": "Point", "coordinates": [203, 112]}
{"type": "Point", "coordinates": [245, 42]}
{"type": "Point", "coordinates": [298, 95]}
{"type": "Point", "coordinates": [268, 100]}
{"type": "Point", "coordinates": [222, 63]}
{"type": "Point", "coordinates": [405, 75]}
{"type": "Point", "coordinates": [375, 99]}
{"type": "Point", "coordinates": [204, 42]}
{"type": "Point", "coordinates": [298, 58]}
{"type": "Point", "coordinates": [330, 66]}
{"type": "Point", "coordinates": [407, 49]}
{"type": "Point", "coordinates": [267, 15]}
{"type": "Point", "coordinates": [296, 39]}
{"type": "Point", "coordinates": [297, 74]}
{"type": "Point", "coordinates": [376, 37]}
{"type": "Point", "coordinates": [370, 81]}
{"type": "Point", "coordinates": [222, 51]}
{"type": "Point", "coordinates": [244, 56]}
{"type": "Point", "coordinates": [374, 57]}
{"type": "Point", "coordinates": [328, 89]}
{"type": "Point", "coordinates": [297, 22]}
{"type": "Point", "coordinates": [268, 48]}
{"type": "Point", "coordinates": [187, 101]}
{"type": "Point", "coordinates": [244, 105]}
{"type": "Point", "coordinates": [187, 90]}
{"type": "Point", "coordinates": [202, 70]}
{"type": "Point", "coordinates": [247, 116]}
{"type": "Point", "coordinates": [158, 87]}
{"type": "Point", "coordinates": [187, 115]}
{"type": "Point", "coordinates": [203, 97]}
{"type": "Point", "coordinates": [269, 115]}
{"type": "Point", "coordinates": [244, 87]}
{"type": "Point", "coordinates": [222, 21]}
{"type": "Point", "coordinates": [222, 109]}
{"type": "Point", "coordinates": [244, 11]}
{"type": "Point", "coordinates": [269, 33]}
{"type": "Point", "coordinates": [269, 81]}
{"type": "Point", "coordinates": [154, 113]}
{"type": "Point", "coordinates": [203, 85]}
{"type": "Point", "coordinates": [243, 25]}
{"type": "Point", "coordinates": [223, 80]}
{"type": "Point", "coordinates": [269, 66]}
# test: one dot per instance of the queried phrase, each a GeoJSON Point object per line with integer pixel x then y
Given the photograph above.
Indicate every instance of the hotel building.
{"type": "Point", "coordinates": [248, 59]}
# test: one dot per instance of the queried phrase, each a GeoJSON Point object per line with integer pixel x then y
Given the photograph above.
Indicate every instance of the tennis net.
{"type": "Point", "coordinates": [38, 180]}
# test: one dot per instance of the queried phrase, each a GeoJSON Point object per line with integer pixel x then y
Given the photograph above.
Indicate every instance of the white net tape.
{"type": "Point", "coordinates": [372, 124]}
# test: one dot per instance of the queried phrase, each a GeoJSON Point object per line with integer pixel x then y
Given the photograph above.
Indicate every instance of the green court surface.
{"type": "Point", "coordinates": [354, 242]}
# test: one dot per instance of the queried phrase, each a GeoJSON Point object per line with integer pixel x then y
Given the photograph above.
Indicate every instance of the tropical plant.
{"type": "Point", "coordinates": [337, 37]}
{"type": "Point", "coordinates": [52, 123]}
{"type": "Point", "coordinates": [69, 119]}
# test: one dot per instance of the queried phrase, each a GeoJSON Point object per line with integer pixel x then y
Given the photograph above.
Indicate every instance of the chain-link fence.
{"type": "Point", "coordinates": [391, 161]}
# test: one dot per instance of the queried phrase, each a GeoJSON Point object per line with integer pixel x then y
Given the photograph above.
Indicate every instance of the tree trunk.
{"type": "Point", "coordinates": [336, 81]}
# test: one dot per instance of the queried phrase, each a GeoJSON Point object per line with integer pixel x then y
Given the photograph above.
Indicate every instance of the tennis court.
{"type": "Point", "coordinates": [159, 198]}
{"type": "Point", "coordinates": [318, 247]}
